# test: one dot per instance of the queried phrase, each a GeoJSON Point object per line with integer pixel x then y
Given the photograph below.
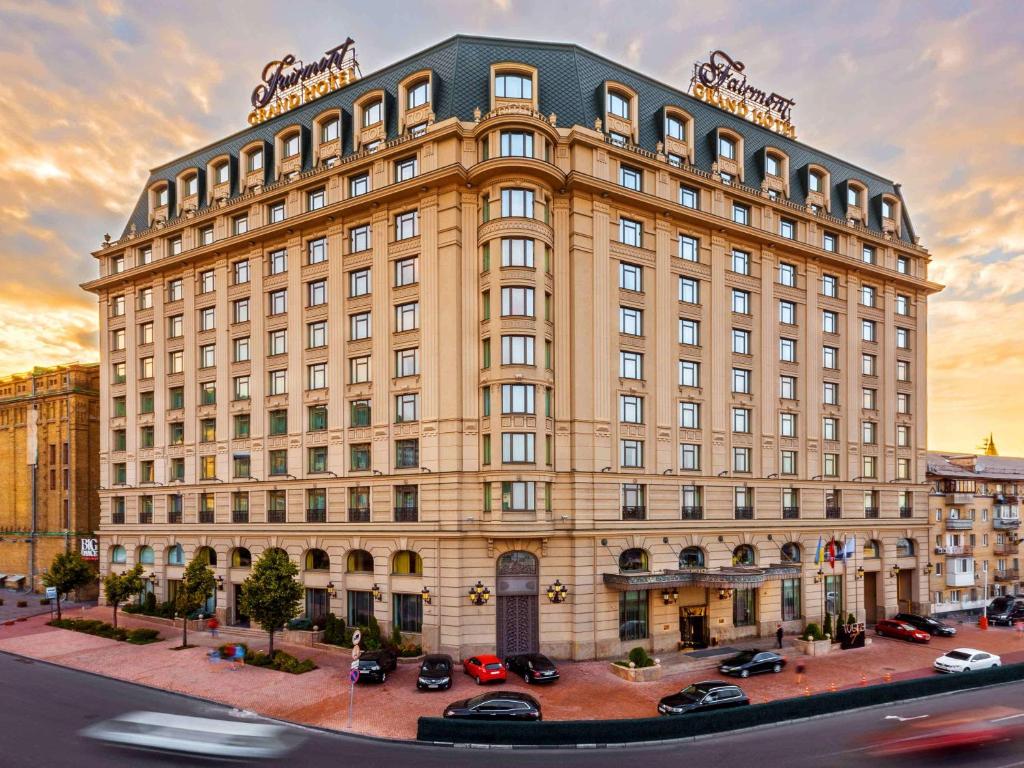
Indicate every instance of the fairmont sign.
{"type": "Point", "coordinates": [288, 83]}
{"type": "Point", "coordinates": [721, 82]}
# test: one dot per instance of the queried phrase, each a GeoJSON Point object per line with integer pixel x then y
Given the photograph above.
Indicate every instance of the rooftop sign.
{"type": "Point", "coordinates": [288, 83]}
{"type": "Point", "coordinates": [721, 82]}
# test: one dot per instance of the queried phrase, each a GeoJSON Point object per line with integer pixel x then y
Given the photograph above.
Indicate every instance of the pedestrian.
{"type": "Point", "coordinates": [800, 669]}
{"type": "Point", "coordinates": [778, 636]}
{"type": "Point", "coordinates": [212, 625]}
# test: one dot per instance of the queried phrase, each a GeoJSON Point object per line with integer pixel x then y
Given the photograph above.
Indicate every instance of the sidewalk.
{"type": "Point", "coordinates": [587, 690]}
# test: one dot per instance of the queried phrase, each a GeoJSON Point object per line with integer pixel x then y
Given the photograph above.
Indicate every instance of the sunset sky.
{"type": "Point", "coordinates": [924, 93]}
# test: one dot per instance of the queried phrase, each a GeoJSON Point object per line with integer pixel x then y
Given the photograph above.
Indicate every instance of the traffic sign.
{"type": "Point", "coordinates": [356, 652]}
{"type": "Point", "coordinates": [354, 665]}
{"type": "Point", "coordinates": [51, 593]}
{"type": "Point", "coordinates": [356, 637]}
{"type": "Point", "coordinates": [353, 675]}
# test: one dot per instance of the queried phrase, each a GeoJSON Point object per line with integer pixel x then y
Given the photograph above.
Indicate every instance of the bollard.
{"type": "Point", "coordinates": [807, 690]}
{"type": "Point", "coordinates": [887, 677]}
{"type": "Point", "coordinates": [863, 679]}
{"type": "Point", "coordinates": [983, 621]}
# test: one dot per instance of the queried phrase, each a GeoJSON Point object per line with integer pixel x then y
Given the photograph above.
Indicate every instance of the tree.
{"type": "Point", "coordinates": [271, 595]}
{"type": "Point", "coordinates": [196, 585]}
{"type": "Point", "coordinates": [68, 572]}
{"type": "Point", "coordinates": [119, 588]}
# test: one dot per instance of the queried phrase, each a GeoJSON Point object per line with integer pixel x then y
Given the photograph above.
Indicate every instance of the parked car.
{"type": "Point", "coordinates": [435, 672]}
{"type": "Point", "coordinates": [966, 660]}
{"type": "Point", "coordinates": [485, 668]}
{"type": "Point", "coordinates": [926, 624]}
{"type": "Point", "coordinates": [901, 630]}
{"type": "Point", "coordinates": [750, 663]}
{"type": "Point", "coordinates": [533, 667]}
{"type": "Point", "coordinates": [700, 697]}
{"type": "Point", "coordinates": [375, 665]}
{"type": "Point", "coordinates": [507, 705]}
{"type": "Point", "coordinates": [1005, 609]}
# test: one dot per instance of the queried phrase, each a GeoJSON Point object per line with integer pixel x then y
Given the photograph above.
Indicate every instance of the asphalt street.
{"type": "Point", "coordinates": [43, 707]}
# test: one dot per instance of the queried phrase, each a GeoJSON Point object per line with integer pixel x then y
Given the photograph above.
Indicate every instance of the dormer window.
{"type": "Point", "coordinates": [418, 94]}
{"type": "Point", "coordinates": [814, 182]}
{"type": "Point", "coordinates": [513, 86]}
{"type": "Point", "coordinates": [772, 165]}
{"type": "Point", "coordinates": [727, 147]}
{"type": "Point", "coordinates": [852, 196]}
{"type": "Point", "coordinates": [222, 173]}
{"type": "Point", "coordinates": [192, 185]}
{"type": "Point", "coordinates": [162, 196]}
{"type": "Point", "coordinates": [255, 162]}
{"type": "Point", "coordinates": [886, 209]}
{"type": "Point", "coordinates": [675, 128]}
{"type": "Point", "coordinates": [618, 104]}
{"type": "Point", "coordinates": [291, 145]}
{"type": "Point", "coordinates": [329, 130]}
{"type": "Point", "coordinates": [373, 113]}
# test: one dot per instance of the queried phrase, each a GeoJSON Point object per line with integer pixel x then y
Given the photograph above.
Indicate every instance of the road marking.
{"type": "Point", "coordinates": [1008, 717]}
{"type": "Point", "coordinates": [905, 719]}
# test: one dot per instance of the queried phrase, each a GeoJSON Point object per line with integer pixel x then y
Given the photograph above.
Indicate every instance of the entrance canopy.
{"type": "Point", "coordinates": [733, 577]}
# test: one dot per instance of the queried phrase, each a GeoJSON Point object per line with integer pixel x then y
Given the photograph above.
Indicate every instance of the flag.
{"type": "Point", "coordinates": [849, 548]}
{"type": "Point", "coordinates": [817, 553]}
{"type": "Point", "coordinates": [832, 553]}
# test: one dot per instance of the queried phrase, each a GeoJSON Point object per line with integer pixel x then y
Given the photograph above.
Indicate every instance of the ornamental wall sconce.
{"type": "Point", "coordinates": [894, 571]}
{"type": "Point", "coordinates": [152, 578]}
{"type": "Point", "coordinates": [558, 592]}
{"type": "Point", "coordinates": [425, 594]}
{"type": "Point", "coordinates": [375, 591]}
{"type": "Point", "coordinates": [859, 574]}
{"type": "Point", "coordinates": [479, 594]}
{"type": "Point", "coordinates": [819, 576]}
{"type": "Point", "coordinates": [670, 595]}
{"type": "Point", "coordinates": [927, 570]}
{"type": "Point", "coordinates": [331, 591]}
{"type": "Point", "coordinates": [220, 583]}
{"type": "Point", "coordinates": [724, 594]}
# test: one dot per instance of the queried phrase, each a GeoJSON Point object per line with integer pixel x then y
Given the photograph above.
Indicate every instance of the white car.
{"type": "Point", "coordinates": [965, 660]}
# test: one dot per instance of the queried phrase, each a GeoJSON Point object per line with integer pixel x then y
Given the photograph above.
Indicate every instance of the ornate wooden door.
{"type": "Point", "coordinates": [518, 625]}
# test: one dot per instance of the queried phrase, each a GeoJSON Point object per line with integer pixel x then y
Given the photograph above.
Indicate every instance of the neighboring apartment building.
{"type": "Point", "coordinates": [975, 511]}
{"type": "Point", "coordinates": [505, 316]}
{"type": "Point", "coordinates": [49, 442]}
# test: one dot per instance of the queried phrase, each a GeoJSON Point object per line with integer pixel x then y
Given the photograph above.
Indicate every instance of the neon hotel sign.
{"type": "Point", "coordinates": [721, 82]}
{"type": "Point", "coordinates": [289, 83]}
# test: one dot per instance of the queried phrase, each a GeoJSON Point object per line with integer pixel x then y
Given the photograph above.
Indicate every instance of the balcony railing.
{"type": "Point", "coordinates": [871, 512]}
{"type": "Point", "coordinates": [833, 513]}
{"type": "Point", "coordinates": [117, 518]}
{"type": "Point", "coordinates": [316, 515]}
{"type": "Point", "coordinates": [276, 515]}
{"type": "Point", "coordinates": [955, 550]}
{"type": "Point", "coordinates": [790, 513]}
{"type": "Point", "coordinates": [1008, 574]}
{"type": "Point", "coordinates": [206, 516]}
{"type": "Point", "coordinates": [407, 514]}
{"type": "Point", "coordinates": [693, 513]}
{"type": "Point", "coordinates": [960, 579]}
{"type": "Point", "coordinates": [146, 518]}
{"type": "Point", "coordinates": [1005, 523]}
{"type": "Point", "coordinates": [359, 514]}
{"type": "Point", "coordinates": [634, 513]}
{"type": "Point", "coordinates": [959, 524]}
{"type": "Point", "coordinates": [239, 515]}
{"type": "Point", "coordinates": [174, 517]}
{"type": "Point", "coordinates": [959, 498]}
{"type": "Point", "coordinates": [744, 513]}
{"type": "Point", "coordinates": [906, 511]}
{"type": "Point", "coordinates": [1007, 548]}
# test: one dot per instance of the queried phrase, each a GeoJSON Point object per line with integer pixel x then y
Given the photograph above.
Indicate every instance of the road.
{"type": "Point", "coordinates": [42, 708]}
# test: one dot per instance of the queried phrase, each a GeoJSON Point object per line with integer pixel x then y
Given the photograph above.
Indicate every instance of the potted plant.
{"type": "Point", "coordinates": [813, 642]}
{"type": "Point", "coordinates": [638, 668]}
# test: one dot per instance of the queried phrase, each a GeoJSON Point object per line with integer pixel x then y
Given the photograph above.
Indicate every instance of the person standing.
{"type": "Point", "coordinates": [778, 636]}
{"type": "Point", "coordinates": [212, 625]}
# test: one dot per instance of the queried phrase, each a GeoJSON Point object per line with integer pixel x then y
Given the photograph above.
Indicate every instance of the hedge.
{"type": "Point", "coordinates": [570, 732]}
{"type": "Point", "coordinates": [139, 636]}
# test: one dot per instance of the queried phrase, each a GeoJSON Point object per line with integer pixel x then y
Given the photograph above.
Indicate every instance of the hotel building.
{"type": "Point", "coordinates": [505, 316]}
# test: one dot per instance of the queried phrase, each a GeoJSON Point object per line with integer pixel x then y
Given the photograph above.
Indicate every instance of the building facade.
{"type": "Point", "coordinates": [49, 460]}
{"type": "Point", "coordinates": [506, 314]}
{"type": "Point", "coordinates": [975, 521]}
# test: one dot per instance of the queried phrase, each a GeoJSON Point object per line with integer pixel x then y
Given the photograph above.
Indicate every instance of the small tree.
{"type": "Point", "coordinates": [827, 629]}
{"type": "Point", "coordinates": [68, 572]}
{"type": "Point", "coordinates": [119, 588]}
{"type": "Point", "coordinates": [196, 585]}
{"type": "Point", "coordinates": [271, 595]}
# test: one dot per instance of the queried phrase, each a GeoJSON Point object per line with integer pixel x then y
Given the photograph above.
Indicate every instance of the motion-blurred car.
{"type": "Point", "coordinates": [375, 665]}
{"type": "Point", "coordinates": [435, 672]}
{"type": "Point", "coordinates": [1005, 609]}
{"type": "Point", "coordinates": [901, 631]}
{"type": "Point", "coordinates": [961, 730]}
{"type": "Point", "coordinates": [966, 660]}
{"type": "Point", "coordinates": [701, 697]}
{"type": "Point", "coordinates": [532, 667]}
{"type": "Point", "coordinates": [750, 663]}
{"type": "Point", "coordinates": [508, 705]}
{"type": "Point", "coordinates": [485, 668]}
{"type": "Point", "coordinates": [926, 624]}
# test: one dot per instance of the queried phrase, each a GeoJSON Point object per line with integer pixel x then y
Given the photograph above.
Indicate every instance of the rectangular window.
{"type": "Point", "coordinates": [359, 283]}
{"type": "Point", "coordinates": [278, 302]}
{"type": "Point", "coordinates": [740, 341]}
{"type": "Point", "coordinates": [277, 342]}
{"type": "Point", "coordinates": [407, 225]}
{"type": "Point", "coordinates": [830, 286]}
{"type": "Point", "coordinates": [240, 387]}
{"type": "Point", "coordinates": [741, 420]}
{"type": "Point", "coordinates": [689, 332]}
{"type": "Point", "coordinates": [740, 301]}
{"type": "Point", "coordinates": [407, 317]}
{"type": "Point", "coordinates": [829, 321]}
{"type": "Point", "coordinates": [407, 454]}
{"type": "Point", "coordinates": [316, 293]}
{"type": "Point", "coordinates": [741, 262]}
{"type": "Point", "coordinates": [631, 365]}
{"type": "Point", "coordinates": [407, 362]}
{"type": "Point", "coordinates": [242, 423]}
{"type": "Point", "coordinates": [405, 169]}
{"type": "Point", "coordinates": [631, 321]}
{"type": "Point", "coordinates": [631, 409]}
{"type": "Point", "coordinates": [359, 326]}
{"type": "Point", "coordinates": [689, 456]}
{"type": "Point", "coordinates": [828, 242]}
{"type": "Point", "coordinates": [740, 213]}
{"type": "Point", "coordinates": [359, 370]}
{"type": "Point", "coordinates": [277, 383]}
{"type": "Point", "coordinates": [630, 178]}
{"type": "Point", "coordinates": [359, 238]}
{"type": "Point", "coordinates": [787, 387]}
{"type": "Point", "coordinates": [630, 277]}
{"type": "Point", "coordinates": [791, 590]}
{"type": "Point", "coordinates": [787, 275]}
{"type": "Point", "coordinates": [317, 418]}
{"type": "Point", "coordinates": [787, 424]}
{"type": "Point", "coordinates": [830, 358]}
{"type": "Point", "coordinates": [359, 413]}
{"type": "Point", "coordinates": [689, 248]}
{"type": "Point", "coordinates": [516, 252]}
{"type": "Point", "coordinates": [787, 229]}
{"type": "Point", "coordinates": [316, 376]}
{"type": "Point", "coordinates": [787, 312]}
{"type": "Point", "coordinates": [517, 302]}
{"type": "Point", "coordinates": [630, 232]}
{"type": "Point", "coordinates": [407, 407]}
{"type": "Point", "coordinates": [359, 185]}
{"type": "Point", "coordinates": [633, 615]}
{"type": "Point", "coordinates": [830, 428]}
{"type": "Point", "coordinates": [689, 290]}
{"type": "Point", "coordinates": [517, 202]}
{"type": "Point", "coordinates": [518, 496]}
{"type": "Point", "coordinates": [517, 447]}
{"type": "Point", "coordinates": [741, 381]}
{"type": "Point", "coordinates": [406, 272]}
{"type": "Point", "coordinates": [631, 453]}
{"type": "Point", "coordinates": [689, 373]}
{"type": "Point", "coordinates": [830, 393]}
{"type": "Point", "coordinates": [517, 350]}
{"type": "Point", "coordinates": [689, 197]}
{"type": "Point", "coordinates": [787, 350]}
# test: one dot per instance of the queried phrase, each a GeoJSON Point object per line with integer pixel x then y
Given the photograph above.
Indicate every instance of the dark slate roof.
{"type": "Point", "coordinates": [570, 84]}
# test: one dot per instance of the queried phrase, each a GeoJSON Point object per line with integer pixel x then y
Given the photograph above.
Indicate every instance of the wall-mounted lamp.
{"type": "Point", "coordinates": [819, 576]}
{"type": "Point", "coordinates": [479, 594]}
{"type": "Point", "coordinates": [859, 573]}
{"type": "Point", "coordinates": [817, 477]}
{"type": "Point", "coordinates": [606, 469]}
{"type": "Point", "coordinates": [927, 570]}
{"type": "Point", "coordinates": [723, 473]}
{"type": "Point", "coordinates": [724, 594]}
{"type": "Point", "coordinates": [331, 591]}
{"type": "Point", "coordinates": [670, 595]}
{"type": "Point", "coordinates": [152, 578]}
{"type": "Point", "coordinates": [220, 583]}
{"type": "Point", "coordinates": [426, 470]}
{"type": "Point", "coordinates": [772, 476]}
{"type": "Point", "coordinates": [377, 472]}
{"type": "Point", "coordinates": [894, 571]}
{"type": "Point", "coordinates": [375, 591]}
{"type": "Point", "coordinates": [425, 594]}
{"type": "Point", "coordinates": [558, 592]}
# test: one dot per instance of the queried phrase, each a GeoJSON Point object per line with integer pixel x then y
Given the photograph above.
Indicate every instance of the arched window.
{"type": "Point", "coordinates": [418, 93]}
{"type": "Point", "coordinates": [904, 548]}
{"type": "Point", "coordinates": [513, 85]}
{"type": "Point", "coordinates": [407, 563]}
{"type": "Point", "coordinates": [633, 560]}
{"type": "Point", "coordinates": [791, 552]}
{"type": "Point", "coordinates": [373, 112]}
{"type": "Point", "coordinates": [241, 558]}
{"type": "Point", "coordinates": [691, 557]}
{"type": "Point", "coordinates": [872, 549]}
{"type": "Point", "coordinates": [146, 556]}
{"type": "Point", "coordinates": [207, 555]}
{"type": "Point", "coordinates": [175, 555]}
{"type": "Point", "coordinates": [744, 555]}
{"type": "Point", "coordinates": [118, 554]}
{"type": "Point", "coordinates": [317, 560]}
{"type": "Point", "coordinates": [359, 561]}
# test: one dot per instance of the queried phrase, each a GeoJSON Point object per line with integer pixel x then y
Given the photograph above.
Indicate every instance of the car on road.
{"type": "Point", "coordinates": [435, 672]}
{"type": "Point", "coordinates": [375, 665]}
{"type": "Point", "coordinates": [703, 697]}
{"type": "Point", "coordinates": [1005, 609]}
{"type": "Point", "coordinates": [750, 663]}
{"type": "Point", "coordinates": [901, 630]}
{"type": "Point", "coordinates": [485, 668]}
{"type": "Point", "coordinates": [926, 624]}
{"type": "Point", "coordinates": [966, 660]}
{"type": "Point", "coordinates": [507, 705]}
{"type": "Point", "coordinates": [532, 667]}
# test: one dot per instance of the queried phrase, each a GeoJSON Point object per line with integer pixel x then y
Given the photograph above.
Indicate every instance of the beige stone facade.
{"type": "Point", "coordinates": [65, 476]}
{"type": "Point", "coordinates": [504, 363]}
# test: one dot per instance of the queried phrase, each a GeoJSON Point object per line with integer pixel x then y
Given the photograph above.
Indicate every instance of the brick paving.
{"type": "Point", "coordinates": [10, 611]}
{"type": "Point", "coordinates": [587, 690]}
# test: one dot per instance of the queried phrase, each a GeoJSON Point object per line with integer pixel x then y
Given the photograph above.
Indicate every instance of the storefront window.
{"type": "Point", "coordinates": [408, 613]}
{"type": "Point", "coordinates": [790, 599]}
{"type": "Point", "coordinates": [744, 607]}
{"type": "Point", "coordinates": [360, 608]}
{"type": "Point", "coordinates": [633, 615]}
{"type": "Point", "coordinates": [834, 595]}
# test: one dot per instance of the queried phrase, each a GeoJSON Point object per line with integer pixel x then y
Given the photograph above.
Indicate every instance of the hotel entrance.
{"type": "Point", "coordinates": [693, 626]}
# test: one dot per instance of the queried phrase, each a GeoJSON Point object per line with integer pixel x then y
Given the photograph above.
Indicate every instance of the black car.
{"type": "Point", "coordinates": [375, 665]}
{"type": "Point", "coordinates": [703, 697]}
{"type": "Point", "coordinates": [435, 672]}
{"type": "Point", "coordinates": [750, 663]}
{"type": "Point", "coordinates": [926, 624]}
{"type": "Point", "coordinates": [1005, 609]}
{"type": "Point", "coordinates": [507, 705]}
{"type": "Point", "coordinates": [532, 667]}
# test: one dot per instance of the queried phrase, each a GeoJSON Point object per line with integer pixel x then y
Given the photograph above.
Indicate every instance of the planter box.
{"type": "Point", "coordinates": [638, 674]}
{"type": "Point", "coordinates": [813, 647]}
{"type": "Point", "coordinates": [302, 636]}
{"type": "Point", "coordinates": [411, 659]}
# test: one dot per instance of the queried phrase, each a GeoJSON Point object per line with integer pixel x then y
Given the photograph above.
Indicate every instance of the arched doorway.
{"type": "Point", "coordinates": [518, 625]}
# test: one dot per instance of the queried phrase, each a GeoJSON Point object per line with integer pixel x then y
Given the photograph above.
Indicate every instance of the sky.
{"type": "Point", "coordinates": [925, 93]}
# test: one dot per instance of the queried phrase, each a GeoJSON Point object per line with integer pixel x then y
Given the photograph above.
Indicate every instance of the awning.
{"type": "Point", "coordinates": [16, 577]}
{"type": "Point", "coordinates": [734, 577]}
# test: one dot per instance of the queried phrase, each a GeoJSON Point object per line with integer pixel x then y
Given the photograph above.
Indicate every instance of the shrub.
{"type": "Point", "coordinates": [408, 650]}
{"type": "Point", "coordinates": [640, 658]}
{"type": "Point", "coordinates": [1, 601]}
{"type": "Point", "coordinates": [827, 629]}
{"type": "Point", "coordinates": [851, 619]}
{"type": "Point", "coordinates": [44, 601]}
{"type": "Point", "coordinates": [149, 603]}
{"type": "Point", "coordinates": [132, 608]}
{"type": "Point", "coordinates": [280, 661]}
{"type": "Point", "coordinates": [373, 630]}
{"type": "Point", "coordinates": [334, 630]}
{"type": "Point", "coordinates": [22, 603]}
{"type": "Point", "coordinates": [812, 632]}
{"type": "Point", "coordinates": [395, 641]}
{"type": "Point", "coordinates": [300, 624]}
{"type": "Point", "coordinates": [143, 635]}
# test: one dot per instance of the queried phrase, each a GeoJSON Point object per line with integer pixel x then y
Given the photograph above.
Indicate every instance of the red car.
{"type": "Point", "coordinates": [484, 669]}
{"type": "Point", "coordinates": [901, 630]}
